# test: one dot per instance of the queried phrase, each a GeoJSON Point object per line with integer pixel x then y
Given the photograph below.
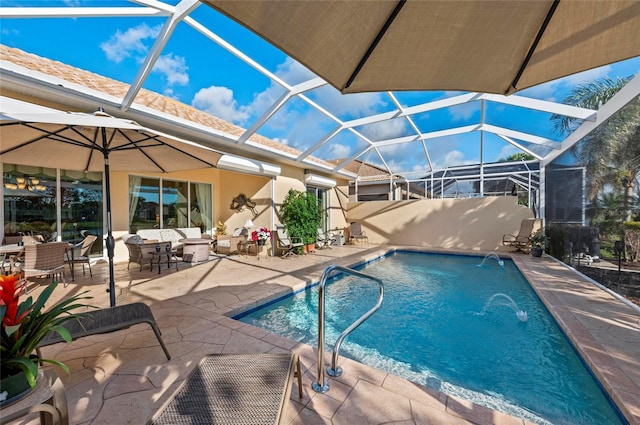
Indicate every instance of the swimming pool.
{"type": "Point", "coordinates": [452, 325]}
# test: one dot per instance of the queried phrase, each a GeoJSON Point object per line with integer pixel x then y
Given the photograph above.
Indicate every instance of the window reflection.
{"type": "Point", "coordinates": [31, 203]}
{"type": "Point", "coordinates": [29, 200]}
{"type": "Point", "coordinates": [81, 206]}
{"type": "Point", "coordinates": [182, 204]}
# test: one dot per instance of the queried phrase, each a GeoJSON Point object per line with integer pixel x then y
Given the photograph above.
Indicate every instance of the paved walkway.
{"type": "Point", "coordinates": [123, 377]}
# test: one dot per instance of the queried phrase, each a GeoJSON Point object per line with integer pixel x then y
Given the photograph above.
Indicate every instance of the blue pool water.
{"type": "Point", "coordinates": [437, 328]}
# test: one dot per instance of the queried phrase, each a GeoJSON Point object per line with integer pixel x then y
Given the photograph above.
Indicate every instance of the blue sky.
{"type": "Point", "coordinates": [196, 71]}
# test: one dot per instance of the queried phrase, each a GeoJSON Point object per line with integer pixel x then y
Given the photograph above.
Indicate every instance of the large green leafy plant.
{"type": "Point", "coordinates": [300, 214]}
{"type": "Point", "coordinates": [25, 323]}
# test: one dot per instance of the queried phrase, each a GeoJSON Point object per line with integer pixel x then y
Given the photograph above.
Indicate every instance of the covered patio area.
{"type": "Point", "coordinates": [123, 377]}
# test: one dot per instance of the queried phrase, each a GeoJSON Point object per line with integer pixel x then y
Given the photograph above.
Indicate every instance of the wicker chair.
{"type": "Point", "coordinates": [45, 259]}
{"type": "Point", "coordinates": [81, 251]}
{"type": "Point", "coordinates": [230, 244]}
{"type": "Point", "coordinates": [140, 253]}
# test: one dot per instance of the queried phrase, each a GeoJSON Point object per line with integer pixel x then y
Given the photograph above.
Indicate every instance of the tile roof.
{"type": "Point", "coordinates": [144, 98]}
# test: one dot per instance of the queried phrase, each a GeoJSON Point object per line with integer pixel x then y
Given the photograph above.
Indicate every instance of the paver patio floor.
{"type": "Point", "coordinates": [123, 377]}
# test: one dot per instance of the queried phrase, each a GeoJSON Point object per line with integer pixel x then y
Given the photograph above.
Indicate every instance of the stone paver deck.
{"type": "Point", "coordinates": [123, 377]}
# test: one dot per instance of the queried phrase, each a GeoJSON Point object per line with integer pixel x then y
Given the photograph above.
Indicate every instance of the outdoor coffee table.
{"type": "Point", "coordinates": [234, 389]}
{"type": "Point", "coordinates": [167, 252]}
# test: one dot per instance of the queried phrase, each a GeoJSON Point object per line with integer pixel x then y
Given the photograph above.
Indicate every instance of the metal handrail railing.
{"type": "Point", "coordinates": [322, 385]}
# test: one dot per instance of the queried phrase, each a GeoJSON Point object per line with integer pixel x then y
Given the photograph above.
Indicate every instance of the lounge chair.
{"type": "Point", "coordinates": [357, 234]}
{"type": "Point", "coordinates": [105, 320]}
{"type": "Point", "coordinates": [234, 389]}
{"type": "Point", "coordinates": [528, 227]}
{"type": "Point", "coordinates": [288, 244]}
{"type": "Point", "coordinates": [325, 240]}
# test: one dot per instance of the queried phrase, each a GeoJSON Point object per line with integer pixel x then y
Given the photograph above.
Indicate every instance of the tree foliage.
{"type": "Point", "coordinates": [610, 153]}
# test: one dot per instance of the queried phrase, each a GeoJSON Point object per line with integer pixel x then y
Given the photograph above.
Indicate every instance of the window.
{"type": "Point", "coordinates": [32, 206]}
{"type": "Point", "coordinates": [166, 204]}
{"type": "Point", "coordinates": [323, 205]}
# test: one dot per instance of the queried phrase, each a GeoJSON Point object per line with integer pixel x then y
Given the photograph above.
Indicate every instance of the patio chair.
{"type": "Point", "coordinates": [528, 227]}
{"type": "Point", "coordinates": [45, 259]}
{"type": "Point", "coordinates": [13, 262]}
{"type": "Point", "coordinates": [230, 244]}
{"type": "Point", "coordinates": [5, 263]}
{"type": "Point", "coordinates": [325, 240]}
{"type": "Point", "coordinates": [288, 244]}
{"type": "Point", "coordinates": [139, 252]}
{"type": "Point", "coordinates": [357, 234]}
{"type": "Point", "coordinates": [80, 253]}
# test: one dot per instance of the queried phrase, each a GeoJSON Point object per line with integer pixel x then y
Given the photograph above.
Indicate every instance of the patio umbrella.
{"type": "Point", "coordinates": [484, 46]}
{"type": "Point", "coordinates": [44, 137]}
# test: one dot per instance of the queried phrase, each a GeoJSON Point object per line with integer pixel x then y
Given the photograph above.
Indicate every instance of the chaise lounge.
{"type": "Point", "coordinates": [528, 227]}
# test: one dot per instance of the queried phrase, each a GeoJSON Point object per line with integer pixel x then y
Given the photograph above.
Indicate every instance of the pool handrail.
{"type": "Point", "coordinates": [322, 385]}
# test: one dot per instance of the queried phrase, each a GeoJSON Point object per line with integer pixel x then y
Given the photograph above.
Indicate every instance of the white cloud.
{"type": "Point", "coordinates": [340, 151]}
{"type": "Point", "coordinates": [354, 105]}
{"type": "Point", "coordinates": [219, 102]}
{"type": "Point", "coordinates": [384, 130]}
{"type": "Point", "coordinates": [174, 68]}
{"type": "Point", "coordinates": [292, 72]}
{"type": "Point", "coordinates": [549, 91]}
{"type": "Point", "coordinates": [452, 158]}
{"type": "Point", "coordinates": [169, 92]}
{"type": "Point", "coordinates": [351, 105]}
{"type": "Point", "coordinates": [463, 112]}
{"type": "Point", "coordinates": [123, 45]}
{"type": "Point", "coordinates": [263, 100]}
{"type": "Point", "coordinates": [508, 150]}
{"type": "Point", "coordinates": [7, 32]}
{"type": "Point", "coordinates": [420, 167]}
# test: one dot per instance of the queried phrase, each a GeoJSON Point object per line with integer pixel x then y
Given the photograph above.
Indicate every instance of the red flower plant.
{"type": "Point", "coordinates": [11, 287]}
{"type": "Point", "coordinates": [262, 234]}
{"type": "Point", "coordinates": [24, 324]}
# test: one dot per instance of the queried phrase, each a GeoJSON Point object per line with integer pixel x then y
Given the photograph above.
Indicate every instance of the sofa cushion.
{"type": "Point", "coordinates": [149, 234]}
{"type": "Point", "coordinates": [169, 235]}
{"type": "Point", "coordinates": [134, 239]}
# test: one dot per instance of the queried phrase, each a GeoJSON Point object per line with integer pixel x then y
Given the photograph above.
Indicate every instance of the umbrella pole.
{"type": "Point", "coordinates": [110, 242]}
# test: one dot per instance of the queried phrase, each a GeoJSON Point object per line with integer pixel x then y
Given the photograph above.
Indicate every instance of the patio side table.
{"type": "Point", "coordinates": [48, 398]}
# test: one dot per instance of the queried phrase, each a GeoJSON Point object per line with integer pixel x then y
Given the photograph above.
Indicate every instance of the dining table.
{"type": "Point", "coordinates": [12, 248]}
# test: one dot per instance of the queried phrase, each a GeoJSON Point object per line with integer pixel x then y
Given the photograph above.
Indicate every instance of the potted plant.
{"type": "Point", "coordinates": [539, 243]}
{"type": "Point", "coordinates": [261, 236]}
{"type": "Point", "coordinates": [300, 214]}
{"type": "Point", "coordinates": [23, 326]}
{"type": "Point", "coordinates": [220, 229]}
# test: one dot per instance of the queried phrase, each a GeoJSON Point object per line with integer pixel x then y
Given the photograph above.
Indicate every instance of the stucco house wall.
{"type": "Point", "coordinates": [472, 223]}
{"type": "Point", "coordinates": [226, 185]}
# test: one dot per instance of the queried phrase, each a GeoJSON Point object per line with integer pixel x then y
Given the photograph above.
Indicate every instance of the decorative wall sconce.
{"type": "Point", "coordinates": [241, 201]}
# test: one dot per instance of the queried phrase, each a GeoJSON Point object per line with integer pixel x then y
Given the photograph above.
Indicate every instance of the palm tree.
{"type": "Point", "coordinates": [611, 153]}
{"type": "Point", "coordinates": [520, 156]}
